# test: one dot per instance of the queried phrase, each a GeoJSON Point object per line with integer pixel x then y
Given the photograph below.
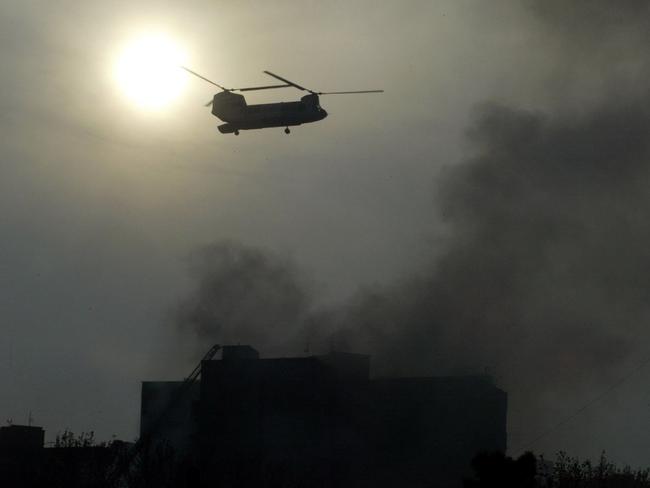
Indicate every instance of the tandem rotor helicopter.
{"type": "Point", "coordinates": [238, 115]}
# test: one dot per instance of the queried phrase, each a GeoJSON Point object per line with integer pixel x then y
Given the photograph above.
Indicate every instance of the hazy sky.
{"type": "Point", "coordinates": [102, 203]}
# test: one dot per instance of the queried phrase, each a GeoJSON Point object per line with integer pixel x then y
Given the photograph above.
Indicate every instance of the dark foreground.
{"type": "Point", "coordinates": [77, 462]}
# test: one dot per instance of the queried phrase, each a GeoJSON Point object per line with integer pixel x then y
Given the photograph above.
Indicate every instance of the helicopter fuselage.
{"type": "Point", "coordinates": [238, 115]}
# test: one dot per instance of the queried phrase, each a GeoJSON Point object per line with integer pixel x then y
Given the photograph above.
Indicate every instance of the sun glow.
{"type": "Point", "coordinates": [148, 71]}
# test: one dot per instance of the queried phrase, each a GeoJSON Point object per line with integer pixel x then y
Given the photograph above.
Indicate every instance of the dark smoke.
{"type": "Point", "coordinates": [243, 295]}
{"type": "Point", "coordinates": [547, 266]}
{"type": "Point", "coordinates": [592, 16]}
{"type": "Point", "coordinates": [598, 49]}
{"type": "Point", "coordinates": [545, 277]}
{"type": "Point", "coordinates": [546, 271]}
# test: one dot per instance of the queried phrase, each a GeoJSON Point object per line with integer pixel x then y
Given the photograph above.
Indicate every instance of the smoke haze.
{"type": "Point", "coordinates": [488, 212]}
{"type": "Point", "coordinates": [243, 296]}
{"type": "Point", "coordinates": [544, 268]}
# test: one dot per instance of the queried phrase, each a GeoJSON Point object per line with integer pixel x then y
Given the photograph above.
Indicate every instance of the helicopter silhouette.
{"type": "Point", "coordinates": [232, 108]}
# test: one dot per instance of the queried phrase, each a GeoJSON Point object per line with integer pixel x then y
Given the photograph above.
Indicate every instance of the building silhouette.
{"type": "Point", "coordinates": [322, 421]}
{"type": "Point", "coordinates": [21, 438]}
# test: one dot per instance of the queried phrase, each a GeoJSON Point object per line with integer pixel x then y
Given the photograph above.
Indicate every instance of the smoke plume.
{"type": "Point", "coordinates": [242, 295]}
{"type": "Point", "coordinates": [544, 279]}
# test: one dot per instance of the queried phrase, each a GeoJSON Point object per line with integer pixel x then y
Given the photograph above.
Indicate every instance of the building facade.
{"type": "Point", "coordinates": [322, 421]}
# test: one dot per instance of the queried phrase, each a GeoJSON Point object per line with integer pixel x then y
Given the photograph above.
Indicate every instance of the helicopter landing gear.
{"type": "Point", "coordinates": [287, 131]}
{"type": "Point", "coordinates": [236, 132]}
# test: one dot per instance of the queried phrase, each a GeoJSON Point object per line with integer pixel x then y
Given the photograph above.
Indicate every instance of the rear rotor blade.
{"type": "Point", "coordinates": [291, 83]}
{"type": "Point", "coordinates": [204, 78]}
{"type": "Point", "coordinates": [348, 92]}
{"type": "Point", "coordinates": [209, 104]}
{"type": "Point", "coordinates": [252, 88]}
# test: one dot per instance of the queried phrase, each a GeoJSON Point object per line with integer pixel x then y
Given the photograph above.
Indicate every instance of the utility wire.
{"type": "Point", "coordinates": [586, 406]}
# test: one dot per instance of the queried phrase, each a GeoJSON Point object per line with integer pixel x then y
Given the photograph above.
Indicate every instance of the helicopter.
{"type": "Point", "coordinates": [232, 108]}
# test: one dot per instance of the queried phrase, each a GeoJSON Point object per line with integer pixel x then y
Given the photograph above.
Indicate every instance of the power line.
{"type": "Point", "coordinates": [586, 406]}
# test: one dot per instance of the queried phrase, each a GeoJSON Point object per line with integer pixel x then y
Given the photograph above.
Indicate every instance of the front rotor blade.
{"type": "Point", "coordinates": [286, 81]}
{"type": "Point", "coordinates": [252, 88]}
{"type": "Point", "coordinates": [203, 78]}
{"type": "Point", "coordinates": [209, 104]}
{"type": "Point", "coordinates": [347, 92]}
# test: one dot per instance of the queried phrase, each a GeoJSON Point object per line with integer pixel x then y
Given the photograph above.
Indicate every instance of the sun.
{"type": "Point", "coordinates": [148, 71]}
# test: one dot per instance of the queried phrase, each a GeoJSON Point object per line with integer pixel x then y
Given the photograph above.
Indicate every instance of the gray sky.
{"type": "Point", "coordinates": [102, 204]}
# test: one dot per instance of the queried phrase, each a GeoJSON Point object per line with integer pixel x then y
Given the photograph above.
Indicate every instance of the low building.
{"type": "Point", "coordinates": [21, 454]}
{"type": "Point", "coordinates": [21, 438]}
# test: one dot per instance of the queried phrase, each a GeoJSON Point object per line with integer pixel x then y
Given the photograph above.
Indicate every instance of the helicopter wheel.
{"type": "Point", "coordinates": [287, 131]}
{"type": "Point", "coordinates": [236, 132]}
